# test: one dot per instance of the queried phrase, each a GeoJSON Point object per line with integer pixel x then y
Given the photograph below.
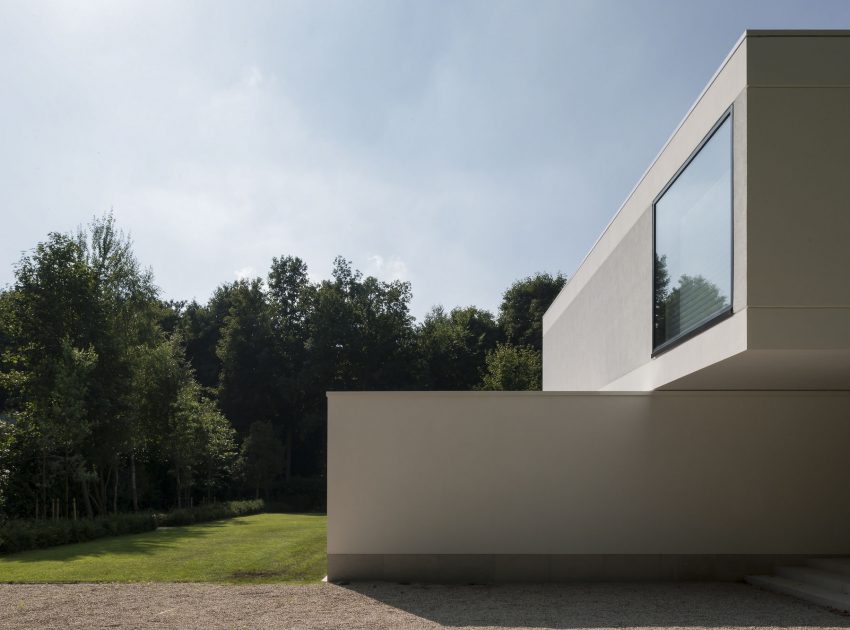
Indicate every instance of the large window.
{"type": "Point", "coordinates": [693, 242]}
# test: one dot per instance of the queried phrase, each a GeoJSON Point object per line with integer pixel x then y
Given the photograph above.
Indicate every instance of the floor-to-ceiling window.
{"type": "Point", "coordinates": [693, 242]}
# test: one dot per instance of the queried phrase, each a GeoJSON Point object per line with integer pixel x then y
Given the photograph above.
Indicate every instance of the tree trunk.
{"type": "Point", "coordinates": [179, 490]}
{"type": "Point", "coordinates": [115, 489]}
{"type": "Point", "coordinates": [133, 479]}
{"type": "Point", "coordinates": [101, 498]}
{"type": "Point", "coordinates": [67, 490]}
{"type": "Point", "coordinates": [288, 456]}
{"type": "Point", "coordinates": [86, 498]}
{"type": "Point", "coordinates": [44, 483]}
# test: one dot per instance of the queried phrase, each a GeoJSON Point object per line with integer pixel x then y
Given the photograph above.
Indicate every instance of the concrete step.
{"type": "Point", "coordinates": [808, 592]}
{"type": "Point", "coordinates": [836, 565]}
{"type": "Point", "coordinates": [838, 582]}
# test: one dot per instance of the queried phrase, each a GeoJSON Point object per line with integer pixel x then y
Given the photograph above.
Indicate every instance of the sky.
{"type": "Point", "coordinates": [457, 145]}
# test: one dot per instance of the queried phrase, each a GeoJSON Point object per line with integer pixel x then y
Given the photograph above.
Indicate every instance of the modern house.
{"type": "Point", "coordinates": [695, 418]}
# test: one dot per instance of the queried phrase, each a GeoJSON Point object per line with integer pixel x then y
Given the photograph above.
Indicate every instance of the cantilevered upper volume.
{"type": "Point", "coordinates": [728, 265]}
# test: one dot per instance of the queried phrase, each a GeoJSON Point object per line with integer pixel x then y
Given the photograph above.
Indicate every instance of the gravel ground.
{"type": "Point", "coordinates": [381, 605]}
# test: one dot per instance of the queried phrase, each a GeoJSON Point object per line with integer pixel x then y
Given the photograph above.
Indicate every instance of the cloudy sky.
{"type": "Point", "coordinates": [458, 145]}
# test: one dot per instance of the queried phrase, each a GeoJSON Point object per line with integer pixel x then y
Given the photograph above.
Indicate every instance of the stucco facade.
{"type": "Point", "coordinates": [790, 323]}
{"type": "Point", "coordinates": [488, 486]}
{"type": "Point", "coordinates": [719, 453]}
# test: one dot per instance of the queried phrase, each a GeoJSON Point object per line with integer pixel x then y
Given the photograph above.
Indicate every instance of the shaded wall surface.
{"type": "Point", "coordinates": [496, 486]}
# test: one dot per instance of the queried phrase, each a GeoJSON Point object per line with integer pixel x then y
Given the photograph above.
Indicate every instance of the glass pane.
{"type": "Point", "coordinates": [693, 241]}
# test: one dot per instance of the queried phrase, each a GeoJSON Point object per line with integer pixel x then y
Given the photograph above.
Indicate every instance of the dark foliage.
{"type": "Point", "coordinates": [113, 400]}
{"type": "Point", "coordinates": [20, 535]}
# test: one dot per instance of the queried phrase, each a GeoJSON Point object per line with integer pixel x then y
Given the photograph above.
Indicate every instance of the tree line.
{"type": "Point", "coordinates": [113, 399]}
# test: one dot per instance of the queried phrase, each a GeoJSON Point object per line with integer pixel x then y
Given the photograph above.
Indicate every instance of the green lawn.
{"type": "Point", "coordinates": [249, 549]}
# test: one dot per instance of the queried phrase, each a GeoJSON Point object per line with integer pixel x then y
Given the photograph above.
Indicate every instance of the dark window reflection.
{"type": "Point", "coordinates": [693, 242]}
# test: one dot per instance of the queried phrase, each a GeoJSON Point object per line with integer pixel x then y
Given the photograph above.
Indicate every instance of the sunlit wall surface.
{"type": "Point", "coordinates": [693, 242]}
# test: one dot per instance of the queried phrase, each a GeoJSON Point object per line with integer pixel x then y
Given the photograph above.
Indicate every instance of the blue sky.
{"type": "Point", "coordinates": [457, 145]}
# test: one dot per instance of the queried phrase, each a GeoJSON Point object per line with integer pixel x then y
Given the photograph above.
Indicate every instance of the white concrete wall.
{"type": "Point", "coordinates": [791, 286]}
{"type": "Point", "coordinates": [539, 473]}
{"type": "Point", "coordinates": [799, 193]}
{"type": "Point", "coordinates": [599, 329]}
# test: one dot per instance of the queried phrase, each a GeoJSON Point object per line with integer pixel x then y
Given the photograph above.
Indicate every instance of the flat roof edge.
{"type": "Point", "coordinates": [597, 394]}
{"type": "Point", "coordinates": [797, 32]}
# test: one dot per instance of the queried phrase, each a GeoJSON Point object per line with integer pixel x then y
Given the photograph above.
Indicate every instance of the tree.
{"type": "Point", "coordinates": [361, 334]}
{"type": "Point", "coordinates": [523, 306]}
{"type": "Point", "coordinates": [250, 367]}
{"type": "Point", "coordinates": [290, 296]}
{"type": "Point", "coordinates": [201, 327]}
{"type": "Point", "coordinates": [200, 445]}
{"type": "Point", "coordinates": [219, 456]}
{"type": "Point", "coordinates": [452, 347]}
{"type": "Point", "coordinates": [693, 299]}
{"type": "Point", "coordinates": [263, 454]}
{"type": "Point", "coordinates": [54, 316]}
{"type": "Point", "coordinates": [659, 306]}
{"type": "Point", "coordinates": [90, 381]}
{"type": "Point", "coordinates": [7, 441]}
{"type": "Point", "coordinates": [8, 354]}
{"type": "Point", "coordinates": [513, 368]}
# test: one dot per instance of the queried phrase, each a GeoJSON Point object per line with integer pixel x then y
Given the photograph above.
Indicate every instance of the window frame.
{"type": "Point", "coordinates": [727, 312]}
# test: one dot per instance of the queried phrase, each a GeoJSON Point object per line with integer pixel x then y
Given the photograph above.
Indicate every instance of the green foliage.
{"type": "Point", "coordinates": [523, 305]}
{"type": "Point", "coordinates": [361, 334]}
{"type": "Point", "coordinates": [6, 445]}
{"type": "Point", "coordinates": [20, 535]}
{"type": "Point", "coordinates": [300, 494]}
{"type": "Point", "coordinates": [690, 302]}
{"type": "Point", "coordinates": [262, 453]}
{"type": "Point", "coordinates": [96, 388]}
{"type": "Point", "coordinates": [112, 399]}
{"type": "Point", "coordinates": [513, 368]}
{"type": "Point", "coordinates": [249, 366]}
{"type": "Point", "coordinates": [452, 347]}
{"type": "Point", "coordinates": [209, 512]}
{"type": "Point", "coordinates": [200, 444]}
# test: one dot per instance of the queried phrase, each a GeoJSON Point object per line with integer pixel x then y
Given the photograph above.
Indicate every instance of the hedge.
{"type": "Point", "coordinates": [24, 534]}
{"type": "Point", "coordinates": [209, 512]}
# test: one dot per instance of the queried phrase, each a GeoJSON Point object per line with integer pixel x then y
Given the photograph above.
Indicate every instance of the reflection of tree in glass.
{"type": "Point", "coordinates": [662, 282]}
{"type": "Point", "coordinates": [694, 300]}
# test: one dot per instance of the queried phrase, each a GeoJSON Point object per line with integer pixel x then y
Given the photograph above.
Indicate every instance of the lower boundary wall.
{"type": "Point", "coordinates": [556, 487]}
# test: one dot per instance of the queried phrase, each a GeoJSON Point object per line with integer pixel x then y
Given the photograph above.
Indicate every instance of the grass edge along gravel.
{"type": "Point", "coordinates": [255, 549]}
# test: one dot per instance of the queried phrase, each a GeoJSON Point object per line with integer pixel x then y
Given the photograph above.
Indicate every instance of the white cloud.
{"type": "Point", "coordinates": [252, 77]}
{"type": "Point", "coordinates": [408, 139]}
{"type": "Point", "coordinates": [246, 273]}
{"type": "Point", "coordinates": [388, 269]}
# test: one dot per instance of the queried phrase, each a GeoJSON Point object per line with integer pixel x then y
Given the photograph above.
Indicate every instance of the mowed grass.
{"type": "Point", "coordinates": [254, 549]}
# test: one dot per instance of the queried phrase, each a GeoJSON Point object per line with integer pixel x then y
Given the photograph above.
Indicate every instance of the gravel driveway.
{"type": "Point", "coordinates": [381, 605]}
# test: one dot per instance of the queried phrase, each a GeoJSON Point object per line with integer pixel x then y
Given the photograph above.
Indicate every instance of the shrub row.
{"type": "Point", "coordinates": [209, 512]}
{"type": "Point", "coordinates": [23, 534]}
